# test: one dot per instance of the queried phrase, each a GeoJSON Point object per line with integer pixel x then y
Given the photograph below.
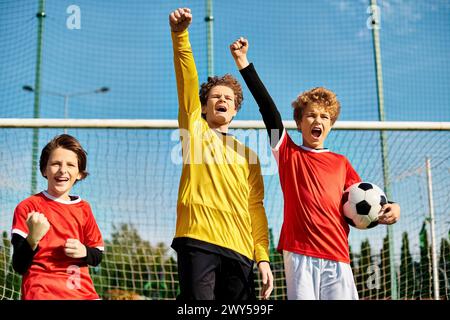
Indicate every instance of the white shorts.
{"type": "Point", "coordinates": [309, 278]}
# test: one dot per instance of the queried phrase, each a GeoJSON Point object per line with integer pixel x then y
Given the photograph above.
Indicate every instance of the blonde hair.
{"type": "Point", "coordinates": [321, 97]}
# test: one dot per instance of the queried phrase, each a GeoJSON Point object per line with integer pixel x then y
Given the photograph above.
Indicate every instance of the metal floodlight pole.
{"type": "Point", "coordinates": [66, 96]}
{"type": "Point", "coordinates": [69, 95]}
{"type": "Point", "coordinates": [209, 19]}
{"type": "Point", "coordinates": [37, 85]}
{"type": "Point", "coordinates": [66, 110]}
{"type": "Point", "coordinates": [383, 136]}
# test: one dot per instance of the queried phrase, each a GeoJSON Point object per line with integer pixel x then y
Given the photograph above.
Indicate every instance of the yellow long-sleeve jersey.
{"type": "Point", "coordinates": [221, 192]}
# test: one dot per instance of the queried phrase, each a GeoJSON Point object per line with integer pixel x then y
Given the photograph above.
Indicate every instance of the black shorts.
{"type": "Point", "coordinates": [205, 275]}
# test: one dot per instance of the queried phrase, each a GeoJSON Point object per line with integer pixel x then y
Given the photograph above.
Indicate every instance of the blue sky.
{"type": "Point", "coordinates": [295, 45]}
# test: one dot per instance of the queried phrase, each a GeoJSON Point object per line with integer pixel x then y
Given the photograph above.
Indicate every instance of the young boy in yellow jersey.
{"type": "Point", "coordinates": [221, 225]}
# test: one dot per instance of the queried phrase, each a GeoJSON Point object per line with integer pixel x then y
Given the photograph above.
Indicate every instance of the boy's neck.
{"type": "Point", "coordinates": [220, 128]}
{"type": "Point", "coordinates": [63, 197]}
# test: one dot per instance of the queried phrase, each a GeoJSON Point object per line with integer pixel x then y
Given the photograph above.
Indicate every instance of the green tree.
{"type": "Point", "coordinates": [365, 289]}
{"type": "Point", "coordinates": [426, 290]}
{"type": "Point", "coordinates": [407, 283]}
{"type": "Point", "coordinates": [384, 291]}
{"type": "Point", "coordinates": [131, 264]}
{"type": "Point", "coordinates": [354, 266]}
{"type": "Point", "coordinates": [9, 280]}
{"type": "Point", "coordinates": [4, 259]}
{"type": "Point", "coordinates": [444, 270]}
{"type": "Point", "coordinates": [277, 267]}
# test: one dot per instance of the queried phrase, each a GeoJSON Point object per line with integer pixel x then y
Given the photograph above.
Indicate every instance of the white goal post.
{"type": "Point", "coordinates": [135, 167]}
{"type": "Point", "coordinates": [236, 124]}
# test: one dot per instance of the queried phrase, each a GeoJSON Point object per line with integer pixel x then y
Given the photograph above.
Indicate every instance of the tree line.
{"type": "Point", "coordinates": [133, 268]}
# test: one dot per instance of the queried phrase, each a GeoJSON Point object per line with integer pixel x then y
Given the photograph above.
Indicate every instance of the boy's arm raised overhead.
{"type": "Point", "coordinates": [185, 69]}
{"type": "Point", "coordinates": [267, 108]}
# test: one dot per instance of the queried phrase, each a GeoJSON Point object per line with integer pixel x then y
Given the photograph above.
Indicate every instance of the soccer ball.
{"type": "Point", "coordinates": [362, 203]}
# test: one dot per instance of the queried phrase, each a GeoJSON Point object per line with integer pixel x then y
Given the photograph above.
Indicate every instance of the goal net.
{"type": "Point", "coordinates": [135, 168]}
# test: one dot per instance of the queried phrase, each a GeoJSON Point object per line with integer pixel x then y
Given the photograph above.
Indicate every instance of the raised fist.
{"type": "Point", "coordinates": [38, 226]}
{"type": "Point", "coordinates": [239, 48]}
{"type": "Point", "coordinates": [180, 19]}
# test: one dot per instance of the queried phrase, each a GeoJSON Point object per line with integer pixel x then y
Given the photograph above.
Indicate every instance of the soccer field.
{"type": "Point", "coordinates": [112, 63]}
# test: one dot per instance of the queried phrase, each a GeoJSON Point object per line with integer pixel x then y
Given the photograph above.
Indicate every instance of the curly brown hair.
{"type": "Point", "coordinates": [321, 97]}
{"type": "Point", "coordinates": [227, 80]}
{"type": "Point", "coordinates": [68, 142]}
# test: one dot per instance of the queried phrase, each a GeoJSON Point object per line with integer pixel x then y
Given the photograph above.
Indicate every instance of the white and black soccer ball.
{"type": "Point", "coordinates": [362, 203]}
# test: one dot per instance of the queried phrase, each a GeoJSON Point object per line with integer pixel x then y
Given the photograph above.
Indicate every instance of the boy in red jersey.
{"type": "Point", "coordinates": [314, 235]}
{"type": "Point", "coordinates": [54, 234]}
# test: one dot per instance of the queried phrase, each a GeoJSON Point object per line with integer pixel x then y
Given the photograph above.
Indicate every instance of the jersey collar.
{"type": "Point", "coordinates": [315, 150]}
{"type": "Point", "coordinates": [76, 199]}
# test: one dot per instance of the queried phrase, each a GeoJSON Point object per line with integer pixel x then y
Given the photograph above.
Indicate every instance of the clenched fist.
{"type": "Point", "coordinates": [180, 19]}
{"type": "Point", "coordinates": [239, 50]}
{"type": "Point", "coordinates": [38, 226]}
{"type": "Point", "coordinates": [75, 249]}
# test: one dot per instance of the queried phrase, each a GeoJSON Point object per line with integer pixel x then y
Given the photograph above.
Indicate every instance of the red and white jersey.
{"type": "Point", "coordinates": [52, 274]}
{"type": "Point", "coordinates": [313, 182]}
